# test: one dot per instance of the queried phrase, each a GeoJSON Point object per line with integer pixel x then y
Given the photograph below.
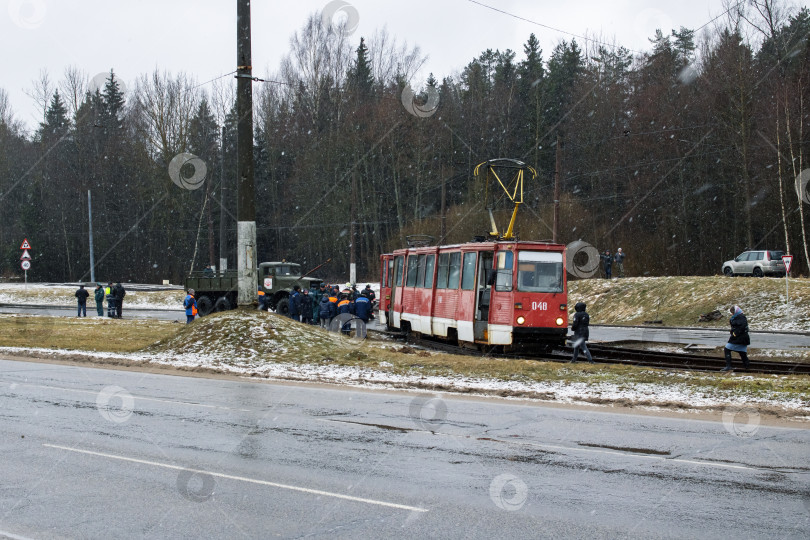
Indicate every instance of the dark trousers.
{"type": "Point", "coordinates": [743, 357]}
{"type": "Point", "coordinates": [100, 308]}
{"type": "Point", "coordinates": [118, 307]}
{"type": "Point", "coordinates": [82, 309]}
{"type": "Point", "coordinates": [580, 345]}
{"type": "Point", "coordinates": [111, 307]}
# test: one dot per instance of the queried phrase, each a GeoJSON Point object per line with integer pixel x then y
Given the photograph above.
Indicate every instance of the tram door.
{"type": "Point", "coordinates": [483, 288]}
{"type": "Point", "coordinates": [396, 287]}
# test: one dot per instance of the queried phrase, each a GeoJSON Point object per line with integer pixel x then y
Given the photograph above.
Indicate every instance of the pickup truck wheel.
{"type": "Point", "coordinates": [204, 306]}
{"type": "Point", "coordinates": [222, 304]}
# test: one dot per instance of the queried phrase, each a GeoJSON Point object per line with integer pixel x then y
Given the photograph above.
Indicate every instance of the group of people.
{"type": "Point", "coordinates": [114, 294]}
{"type": "Point", "coordinates": [738, 341]}
{"type": "Point", "coordinates": [326, 302]}
{"type": "Point", "coordinates": [608, 260]}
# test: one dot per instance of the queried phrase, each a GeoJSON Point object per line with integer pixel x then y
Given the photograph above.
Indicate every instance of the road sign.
{"type": "Point", "coordinates": [26, 265]}
{"type": "Point", "coordinates": [25, 244]}
{"type": "Point", "coordinates": [25, 255]}
{"type": "Point", "coordinates": [788, 260]}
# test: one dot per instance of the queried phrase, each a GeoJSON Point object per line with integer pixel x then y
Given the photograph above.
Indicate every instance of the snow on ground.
{"type": "Point", "coordinates": [677, 397]}
{"type": "Point", "coordinates": [63, 296]}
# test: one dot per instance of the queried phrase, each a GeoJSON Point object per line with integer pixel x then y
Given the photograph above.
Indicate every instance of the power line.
{"type": "Point", "coordinates": [551, 27]}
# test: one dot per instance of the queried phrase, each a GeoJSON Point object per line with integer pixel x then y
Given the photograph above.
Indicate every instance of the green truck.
{"type": "Point", "coordinates": [219, 291]}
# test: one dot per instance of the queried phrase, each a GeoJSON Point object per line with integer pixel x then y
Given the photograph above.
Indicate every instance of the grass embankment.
{"type": "Point", "coordinates": [84, 334]}
{"type": "Point", "coordinates": [679, 301]}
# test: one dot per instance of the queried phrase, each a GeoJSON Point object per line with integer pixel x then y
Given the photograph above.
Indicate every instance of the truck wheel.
{"type": "Point", "coordinates": [204, 306]}
{"type": "Point", "coordinates": [222, 304]}
{"type": "Point", "coordinates": [282, 307]}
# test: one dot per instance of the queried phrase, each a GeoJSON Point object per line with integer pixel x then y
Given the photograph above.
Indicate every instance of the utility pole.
{"type": "Point", "coordinates": [246, 190]}
{"type": "Point", "coordinates": [90, 232]}
{"type": "Point", "coordinates": [352, 232]}
{"type": "Point", "coordinates": [557, 192]}
{"type": "Point", "coordinates": [443, 211]}
{"type": "Point", "coordinates": [223, 259]}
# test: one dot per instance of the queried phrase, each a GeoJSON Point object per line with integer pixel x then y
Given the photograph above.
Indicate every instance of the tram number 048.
{"type": "Point", "coordinates": [539, 306]}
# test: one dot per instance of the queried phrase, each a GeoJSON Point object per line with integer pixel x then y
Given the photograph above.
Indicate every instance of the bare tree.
{"type": "Point", "coordinates": [73, 88]}
{"type": "Point", "coordinates": [165, 106]}
{"type": "Point", "coordinates": [390, 59]}
{"type": "Point", "coordinates": [41, 91]}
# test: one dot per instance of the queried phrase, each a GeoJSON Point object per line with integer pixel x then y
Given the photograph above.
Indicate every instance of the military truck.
{"type": "Point", "coordinates": [219, 291]}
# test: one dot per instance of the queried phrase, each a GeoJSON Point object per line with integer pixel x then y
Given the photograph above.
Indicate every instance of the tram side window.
{"type": "Point", "coordinates": [455, 270]}
{"type": "Point", "coordinates": [444, 268]}
{"type": "Point", "coordinates": [468, 273]}
{"type": "Point", "coordinates": [503, 281]}
{"type": "Point", "coordinates": [412, 266]}
{"type": "Point", "coordinates": [400, 261]}
{"type": "Point", "coordinates": [429, 264]}
{"type": "Point", "coordinates": [540, 271]}
{"type": "Point", "coordinates": [420, 280]}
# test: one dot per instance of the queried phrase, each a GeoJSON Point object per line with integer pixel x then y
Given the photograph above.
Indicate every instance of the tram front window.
{"type": "Point", "coordinates": [540, 272]}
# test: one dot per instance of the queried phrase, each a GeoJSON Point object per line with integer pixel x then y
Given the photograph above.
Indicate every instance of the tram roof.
{"type": "Point", "coordinates": [517, 244]}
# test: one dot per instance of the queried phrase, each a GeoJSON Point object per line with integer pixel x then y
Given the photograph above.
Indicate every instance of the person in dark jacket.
{"type": "Point", "coordinates": [327, 309]}
{"type": "Point", "coordinates": [362, 307]}
{"type": "Point", "coordinates": [581, 332]}
{"type": "Point", "coordinates": [306, 307]}
{"type": "Point", "coordinates": [739, 339]}
{"type": "Point", "coordinates": [120, 293]}
{"type": "Point", "coordinates": [99, 297]}
{"type": "Point", "coordinates": [294, 303]}
{"type": "Point", "coordinates": [317, 294]}
{"type": "Point", "coordinates": [346, 305]}
{"type": "Point", "coordinates": [81, 296]}
{"type": "Point", "coordinates": [619, 258]}
{"type": "Point", "coordinates": [607, 259]}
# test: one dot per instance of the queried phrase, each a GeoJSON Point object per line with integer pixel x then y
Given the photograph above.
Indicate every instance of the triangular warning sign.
{"type": "Point", "coordinates": [25, 244]}
{"type": "Point", "coordinates": [25, 256]}
{"type": "Point", "coordinates": [788, 260]}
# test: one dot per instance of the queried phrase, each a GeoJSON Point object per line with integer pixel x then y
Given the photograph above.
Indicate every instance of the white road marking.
{"type": "Point", "coordinates": [242, 479]}
{"type": "Point", "coordinates": [12, 536]}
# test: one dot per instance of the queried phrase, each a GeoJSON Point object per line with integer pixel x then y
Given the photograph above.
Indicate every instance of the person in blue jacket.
{"type": "Point", "coordinates": [327, 309]}
{"type": "Point", "coordinates": [190, 303]}
{"type": "Point", "coordinates": [362, 307]}
{"type": "Point", "coordinates": [294, 304]}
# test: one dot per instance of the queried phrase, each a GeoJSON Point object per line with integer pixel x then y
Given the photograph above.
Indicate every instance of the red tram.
{"type": "Point", "coordinates": [486, 293]}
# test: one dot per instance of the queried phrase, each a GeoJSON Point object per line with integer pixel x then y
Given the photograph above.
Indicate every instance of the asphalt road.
{"type": "Point", "coordinates": [97, 453]}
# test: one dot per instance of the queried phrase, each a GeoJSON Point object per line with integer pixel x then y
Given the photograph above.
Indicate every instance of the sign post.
{"type": "Point", "coordinates": [26, 259]}
{"type": "Point", "coordinates": [788, 260]}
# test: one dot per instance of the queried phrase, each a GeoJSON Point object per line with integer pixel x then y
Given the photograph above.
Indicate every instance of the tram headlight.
{"type": "Point", "coordinates": [559, 321]}
{"type": "Point", "coordinates": [521, 320]}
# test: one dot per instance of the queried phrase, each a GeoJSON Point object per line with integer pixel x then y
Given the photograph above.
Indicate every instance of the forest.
{"type": "Point", "coordinates": [684, 155]}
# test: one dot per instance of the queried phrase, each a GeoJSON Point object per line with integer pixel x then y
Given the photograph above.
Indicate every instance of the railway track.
{"type": "Point", "coordinates": [604, 354]}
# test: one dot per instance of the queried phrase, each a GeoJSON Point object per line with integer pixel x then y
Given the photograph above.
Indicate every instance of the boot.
{"type": "Point", "coordinates": [744, 357]}
{"type": "Point", "coordinates": [728, 360]}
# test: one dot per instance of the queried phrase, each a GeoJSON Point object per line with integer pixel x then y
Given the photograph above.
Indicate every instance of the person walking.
{"type": "Point", "coordinates": [619, 258]}
{"type": "Point", "coordinates": [739, 339]}
{"type": "Point", "coordinates": [110, 300]}
{"type": "Point", "coordinates": [99, 297]}
{"type": "Point", "coordinates": [81, 295]}
{"type": "Point", "coordinates": [581, 332]}
{"type": "Point", "coordinates": [607, 259]}
{"type": "Point", "coordinates": [120, 293]}
{"type": "Point", "coordinates": [190, 303]}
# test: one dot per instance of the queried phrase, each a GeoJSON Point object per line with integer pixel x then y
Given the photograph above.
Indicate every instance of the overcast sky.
{"type": "Point", "coordinates": [198, 36]}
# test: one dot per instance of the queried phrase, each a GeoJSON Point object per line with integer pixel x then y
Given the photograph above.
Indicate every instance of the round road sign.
{"type": "Point", "coordinates": [26, 265]}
